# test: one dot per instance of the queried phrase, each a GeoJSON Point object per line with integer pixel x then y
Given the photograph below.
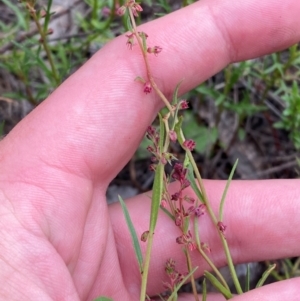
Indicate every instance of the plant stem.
{"type": "Point", "coordinates": [190, 267]}
{"type": "Point", "coordinates": [43, 35]}
{"type": "Point", "coordinates": [146, 267]}
{"type": "Point", "coordinates": [215, 221]}
{"type": "Point", "coordinates": [145, 56]}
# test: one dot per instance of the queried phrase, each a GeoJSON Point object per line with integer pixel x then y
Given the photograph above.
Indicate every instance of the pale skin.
{"type": "Point", "coordinates": [58, 238]}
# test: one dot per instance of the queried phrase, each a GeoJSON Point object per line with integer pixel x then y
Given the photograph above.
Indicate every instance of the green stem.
{"type": "Point", "coordinates": [190, 268]}
{"type": "Point", "coordinates": [43, 35]}
{"type": "Point", "coordinates": [146, 267]}
{"type": "Point", "coordinates": [214, 219]}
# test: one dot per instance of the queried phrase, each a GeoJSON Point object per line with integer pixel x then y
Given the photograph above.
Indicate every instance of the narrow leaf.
{"type": "Point", "coordinates": [218, 285]}
{"type": "Point", "coordinates": [225, 190]}
{"type": "Point", "coordinates": [265, 275]}
{"type": "Point", "coordinates": [178, 131]}
{"type": "Point", "coordinates": [48, 15]}
{"type": "Point", "coordinates": [204, 290]}
{"type": "Point", "coordinates": [156, 196]}
{"type": "Point", "coordinates": [247, 282]}
{"type": "Point", "coordinates": [135, 240]}
{"type": "Point", "coordinates": [168, 213]}
{"type": "Point", "coordinates": [175, 94]}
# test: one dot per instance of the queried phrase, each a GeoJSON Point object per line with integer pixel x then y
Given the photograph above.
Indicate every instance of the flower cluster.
{"type": "Point", "coordinates": [174, 276]}
{"type": "Point", "coordinates": [154, 149]}
{"type": "Point", "coordinates": [134, 7]}
{"type": "Point", "coordinates": [187, 239]}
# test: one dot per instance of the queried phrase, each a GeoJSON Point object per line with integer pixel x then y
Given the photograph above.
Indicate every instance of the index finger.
{"type": "Point", "coordinates": [101, 105]}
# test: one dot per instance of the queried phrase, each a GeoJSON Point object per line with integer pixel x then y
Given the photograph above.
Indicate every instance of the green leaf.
{"type": "Point", "coordinates": [265, 275]}
{"type": "Point", "coordinates": [175, 94]}
{"type": "Point", "coordinates": [168, 213]}
{"type": "Point", "coordinates": [178, 131]}
{"type": "Point", "coordinates": [48, 15]}
{"type": "Point", "coordinates": [225, 190]}
{"type": "Point", "coordinates": [218, 285]}
{"type": "Point", "coordinates": [135, 240]}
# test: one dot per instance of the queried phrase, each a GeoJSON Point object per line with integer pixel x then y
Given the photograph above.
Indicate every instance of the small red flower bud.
{"type": "Point", "coordinates": [156, 50]}
{"type": "Point", "coordinates": [180, 240]}
{"type": "Point", "coordinates": [137, 7]}
{"type": "Point", "coordinates": [189, 144]}
{"type": "Point", "coordinates": [200, 210]}
{"type": "Point", "coordinates": [130, 40]}
{"type": "Point", "coordinates": [184, 105]}
{"type": "Point", "coordinates": [190, 210]}
{"type": "Point", "coordinates": [178, 221]}
{"type": "Point", "coordinates": [150, 149]}
{"type": "Point", "coordinates": [121, 10]}
{"type": "Point", "coordinates": [151, 131]}
{"type": "Point", "coordinates": [170, 266]}
{"type": "Point", "coordinates": [185, 183]}
{"type": "Point", "coordinates": [221, 227]}
{"type": "Point", "coordinates": [192, 246]}
{"type": "Point", "coordinates": [172, 135]}
{"type": "Point", "coordinates": [49, 31]}
{"type": "Point", "coordinates": [175, 196]}
{"type": "Point", "coordinates": [147, 87]}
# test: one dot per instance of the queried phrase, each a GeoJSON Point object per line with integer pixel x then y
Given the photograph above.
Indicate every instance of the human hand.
{"type": "Point", "coordinates": [59, 240]}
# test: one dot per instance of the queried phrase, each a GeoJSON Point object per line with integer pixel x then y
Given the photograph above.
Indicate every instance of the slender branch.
{"type": "Point", "coordinates": [145, 56]}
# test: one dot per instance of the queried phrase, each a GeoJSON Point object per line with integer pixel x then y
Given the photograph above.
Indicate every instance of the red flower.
{"type": "Point", "coordinates": [130, 41]}
{"type": "Point", "coordinates": [156, 50]}
{"type": "Point", "coordinates": [147, 87]}
{"type": "Point", "coordinates": [221, 227]}
{"type": "Point", "coordinates": [184, 105]}
{"type": "Point", "coordinates": [121, 10]}
{"type": "Point", "coordinates": [189, 144]}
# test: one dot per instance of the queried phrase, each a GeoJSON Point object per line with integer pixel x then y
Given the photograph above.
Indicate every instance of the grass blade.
{"type": "Point", "coordinates": [265, 275]}
{"type": "Point", "coordinates": [247, 282]}
{"type": "Point", "coordinates": [225, 190]}
{"type": "Point", "coordinates": [218, 285]}
{"type": "Point", "coordinates": [135, 240]}
{"type": "Point", "coordinates": [204, 290]}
